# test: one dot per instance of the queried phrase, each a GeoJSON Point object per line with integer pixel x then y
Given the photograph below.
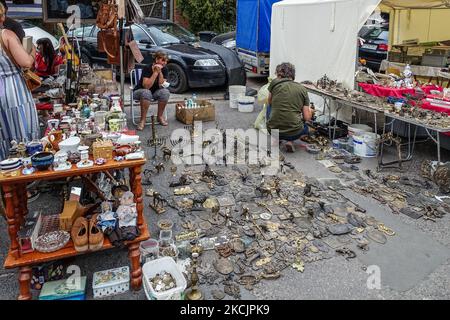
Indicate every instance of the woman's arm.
{"type": "Point", "coordinates": [269, 99]}
{"type": "Point", "coordinates": [12, 43]}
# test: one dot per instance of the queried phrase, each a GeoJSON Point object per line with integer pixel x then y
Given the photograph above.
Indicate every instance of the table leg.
{"type": "Point", "coordinates": [11, 220]}
{"type": "Point", "coordinates": [136, 188]}
{"type": "Point", "coordinates": [24, 283]}
{"type": "Point", "coordinates": [17, 207]}
{"type": "Point", "coordinates": [135, 259]}
{"type": "Point", "coordinates": [23, 199]}
{"type": "Point", "coordinates": [438, 139]}
{"type": "Point", "coordinates": [376, 123]}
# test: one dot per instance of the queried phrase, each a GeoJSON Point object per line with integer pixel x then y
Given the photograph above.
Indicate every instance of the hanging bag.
{"type": "Point", "coordinates": [32, 80]}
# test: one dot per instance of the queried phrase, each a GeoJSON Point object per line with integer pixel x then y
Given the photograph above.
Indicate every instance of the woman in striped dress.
{"type": "Point", "coordinates": [18, 115]}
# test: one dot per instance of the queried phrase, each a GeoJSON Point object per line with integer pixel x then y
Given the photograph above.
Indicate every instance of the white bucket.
{"type": "Point", "coordinates": [246, 104]}
{"type": "Point", "coordinates": [167, 264]}
{"type": "Point", "coordinates": [358, 129]}
{"type": "Point", "coordinates": [365, 145]}
{"type": "Point", "coordinates": [236, 92]}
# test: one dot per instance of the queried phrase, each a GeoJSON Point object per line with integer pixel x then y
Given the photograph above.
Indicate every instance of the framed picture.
{"type": "Point", "coordinates": [56, 10]}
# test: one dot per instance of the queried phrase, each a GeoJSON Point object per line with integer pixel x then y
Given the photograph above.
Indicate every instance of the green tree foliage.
{"type": "Point", "coordinates": [212, 15]}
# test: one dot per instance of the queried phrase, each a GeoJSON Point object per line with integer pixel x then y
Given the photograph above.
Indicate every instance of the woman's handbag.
{"type": "Point", "coordinates": [32, 80]}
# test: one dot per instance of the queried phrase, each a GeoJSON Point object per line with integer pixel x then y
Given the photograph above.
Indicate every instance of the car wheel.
{"type": "Point", "coordinates": [85, 59]}
{"type": "Point", "coordinates": [177, 78]}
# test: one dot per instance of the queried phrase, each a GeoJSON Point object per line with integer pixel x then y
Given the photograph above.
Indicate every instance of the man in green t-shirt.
{"type": "Point", "coordinates": [289, 103]}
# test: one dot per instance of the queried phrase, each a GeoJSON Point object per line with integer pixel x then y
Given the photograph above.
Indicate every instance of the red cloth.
{"type": "Point", "coordinates": [381, 91]}
{"type": "Point", "coordinates": [44, 106]}
{"type": "Point", "coordinates": [427, 89]}
{"type": "Point", "coordinates": [40, 65]}
{"type": "Point", "coordinates": [427, 105]}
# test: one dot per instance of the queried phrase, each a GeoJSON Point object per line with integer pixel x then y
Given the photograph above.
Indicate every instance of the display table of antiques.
{"type": "Point", "coordinates": [407, 109]}
{"type": "Point", "coordinates": [14, 188]}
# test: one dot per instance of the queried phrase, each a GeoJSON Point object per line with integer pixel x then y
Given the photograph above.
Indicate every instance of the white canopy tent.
{"type": "Point", "coordinates": [318, 36]}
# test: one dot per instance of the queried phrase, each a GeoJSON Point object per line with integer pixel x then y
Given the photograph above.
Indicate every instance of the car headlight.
{"type": "Point", "coordinates": [229, 44]}
{"type": "Point", "coordinates": [206, 63]}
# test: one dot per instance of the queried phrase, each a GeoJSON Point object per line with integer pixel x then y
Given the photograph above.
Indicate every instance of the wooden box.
{"type": "Point", "coordinates": [102, 149]}
{"type": "Point", "coordinates": [207, 112]}
{"type": "Point", "coordinates": [72, 210]}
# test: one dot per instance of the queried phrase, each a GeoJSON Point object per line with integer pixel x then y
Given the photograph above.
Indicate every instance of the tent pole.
{"type": "Point", "coordinates": [122, 75]}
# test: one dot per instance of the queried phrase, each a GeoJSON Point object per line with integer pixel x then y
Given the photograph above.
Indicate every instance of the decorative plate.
{"type": "Point", "coordinates": [52, 241]}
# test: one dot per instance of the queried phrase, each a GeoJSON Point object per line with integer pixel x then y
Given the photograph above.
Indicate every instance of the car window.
{"type": "Point", "coordinates": [377, 34]}
{"type": "Point", "coordinates": [139, 34]}
{"type": "Point", "coordinates": [176, 31]}
{"type": "Point", "coordinates": [26, 25]}
{"type": "Point", "coordinates": [160, 37]}
{"type": "Point", "coordinates": [79, 32]}
{"type": "Point", "coordinates": [95, 30]}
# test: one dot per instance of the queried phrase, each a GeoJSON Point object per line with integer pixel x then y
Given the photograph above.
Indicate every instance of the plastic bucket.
{"type": "Point", "coordinates": [236, 92]}
{"type": "Point", "coordinates": [365, 145]}
{"type": "Point", "coordinates": [358, 129]}
{"type": "Point", "coordinates": [151, 268]}
{"type": "Point", "coordinates": [246, 104]}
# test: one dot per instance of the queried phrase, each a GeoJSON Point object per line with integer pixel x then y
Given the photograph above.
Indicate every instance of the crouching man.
{"type": "Point", "coordinates": [289, 106]}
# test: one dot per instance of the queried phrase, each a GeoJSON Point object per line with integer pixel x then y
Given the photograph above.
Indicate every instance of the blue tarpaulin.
{"type": "Point", "coordinates": [253, 24]}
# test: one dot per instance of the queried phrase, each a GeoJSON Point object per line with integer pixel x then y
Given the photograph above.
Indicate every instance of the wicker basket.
{"type": "Point", "coordinates": [103, 149]}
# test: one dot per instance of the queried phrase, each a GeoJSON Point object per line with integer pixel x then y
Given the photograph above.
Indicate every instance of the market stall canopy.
{"type": "Point", "coordinates": [425, 21]}
{"type": "Point", "coordinates": [417, 4]}
{"type": "Point", "coordinates": [318, 36]}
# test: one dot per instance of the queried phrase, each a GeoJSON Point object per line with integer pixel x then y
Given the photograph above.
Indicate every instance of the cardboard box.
{"type": "Point", "coordinates": [205, 113]}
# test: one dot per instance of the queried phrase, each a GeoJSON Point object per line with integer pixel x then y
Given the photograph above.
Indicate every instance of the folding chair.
{"type": "Point", "coordinates": [135, 77]}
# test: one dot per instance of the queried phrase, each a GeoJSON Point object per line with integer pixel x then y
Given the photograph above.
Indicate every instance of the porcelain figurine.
{"type": "Point", "coordinates": [127, 212]}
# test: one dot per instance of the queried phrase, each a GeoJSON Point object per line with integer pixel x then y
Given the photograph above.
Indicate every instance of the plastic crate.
{"type": "Point", "coordinates": [167, 264]}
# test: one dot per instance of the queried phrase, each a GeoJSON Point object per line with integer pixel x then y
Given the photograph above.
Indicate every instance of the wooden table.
{"type": "Point", "coordinates": [15, 196]}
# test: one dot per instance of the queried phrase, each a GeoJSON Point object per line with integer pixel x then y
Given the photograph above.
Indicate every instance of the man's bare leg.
{"type": "Point", "coordinates": [161, 106]}
{"type": "Point", "coordinates": [145, 104]}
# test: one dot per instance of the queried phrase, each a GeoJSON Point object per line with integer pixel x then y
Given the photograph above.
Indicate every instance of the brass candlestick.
{"type": "Point", "coordinates": [195, 293]}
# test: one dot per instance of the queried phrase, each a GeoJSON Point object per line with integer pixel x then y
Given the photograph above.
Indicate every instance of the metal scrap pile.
{"type": "Point", "coordinates": [253, 226]}
{"type": "Point", "coordinates": [410, 196]}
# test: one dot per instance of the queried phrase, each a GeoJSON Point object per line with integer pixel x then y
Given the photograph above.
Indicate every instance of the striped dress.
{"type": "Point", "coordinates": [18, 115]}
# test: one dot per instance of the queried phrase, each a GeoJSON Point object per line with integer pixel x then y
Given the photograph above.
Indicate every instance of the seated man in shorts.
{"type": "Point", "coordinates": [152, 86]}
{"type": "Point", "coordinates": [289, 103]}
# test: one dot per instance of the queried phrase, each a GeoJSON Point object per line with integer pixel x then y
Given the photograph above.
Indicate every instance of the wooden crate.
{"type": "Point", "coordinates": [188, 116]}
{"type": "Point", "coordinates": [102, 149]}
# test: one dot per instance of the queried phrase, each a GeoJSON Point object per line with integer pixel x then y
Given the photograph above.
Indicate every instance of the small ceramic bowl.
{"type": "Point", "coordinates": [100, 161]}
{"type": "Point", "coordinates": [10, 164]}
{"type": "Point", "coordinates": [42, 160]}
